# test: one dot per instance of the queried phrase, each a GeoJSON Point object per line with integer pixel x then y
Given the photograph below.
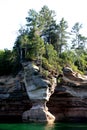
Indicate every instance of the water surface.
{"type": "Point", "coordinates": [34, 126]}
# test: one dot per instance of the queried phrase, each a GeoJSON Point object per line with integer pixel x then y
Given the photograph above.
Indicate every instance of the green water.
{"type": "Point", "coordinates": [33, 126]}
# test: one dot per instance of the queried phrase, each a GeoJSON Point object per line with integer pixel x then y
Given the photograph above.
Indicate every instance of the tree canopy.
{"type": "Point", "coordinates": [43, 39]}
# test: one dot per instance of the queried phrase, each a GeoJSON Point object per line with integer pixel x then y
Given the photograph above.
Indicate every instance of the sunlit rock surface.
{"type": "Point", "coordinates": [67, 103]}
{"type": "Point", "coordinates": [27, 92]}
{"type": "Point", "coordinates": [39, 91]}
{"type": "Point", "coordinates": [75, 83]}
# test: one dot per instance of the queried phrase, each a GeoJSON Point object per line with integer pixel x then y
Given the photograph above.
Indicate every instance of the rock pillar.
{"type": "Point", "coordinates": [39, 91]}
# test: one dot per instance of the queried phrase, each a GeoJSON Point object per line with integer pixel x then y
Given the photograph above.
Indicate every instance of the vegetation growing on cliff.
{"type": "Point", "coordinates": [47, 42]}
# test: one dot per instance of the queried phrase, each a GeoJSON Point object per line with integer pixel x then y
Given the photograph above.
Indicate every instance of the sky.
{"type": "Point", "coordinates": [14, 12]}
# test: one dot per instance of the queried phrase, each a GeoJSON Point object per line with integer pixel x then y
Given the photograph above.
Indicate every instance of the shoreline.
{"type": "Point", "coordinates": [18, 119]}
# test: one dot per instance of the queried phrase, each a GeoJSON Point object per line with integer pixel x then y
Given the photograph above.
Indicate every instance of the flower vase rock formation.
{"type": "Point", "coordinates": [39, 91]}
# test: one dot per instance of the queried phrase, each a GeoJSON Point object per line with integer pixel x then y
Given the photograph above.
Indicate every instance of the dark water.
{"type": "Point", "coordinates": [33, 126]}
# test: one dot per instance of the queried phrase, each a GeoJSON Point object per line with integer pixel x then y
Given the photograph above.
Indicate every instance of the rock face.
{"type": "Point", "coordinates": [39, 91]}
{"type": "Point", "coordinates": [25, 95]}
{"type": "Point", "coordinates": [66, 107]}
{"type": "Point", "coordinates": [69, 101]}
{"type": "Point", "coordinates": [13, 98]}
{"type": "Point", "coordinates": [75, 83]}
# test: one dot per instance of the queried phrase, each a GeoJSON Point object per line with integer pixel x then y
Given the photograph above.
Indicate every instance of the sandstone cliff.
{"type": "Point", "coordinates": [67, 103]}
{"type": "Point", "coordinates": [29, 88]}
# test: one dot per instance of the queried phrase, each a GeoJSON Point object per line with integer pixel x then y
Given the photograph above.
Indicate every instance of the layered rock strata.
{"type": "Point", "coordinates": [39, 91]}
{"type": "Point", "coordinates": [69, 102]}
{"type": "Point", "coordinates": [74, 82]}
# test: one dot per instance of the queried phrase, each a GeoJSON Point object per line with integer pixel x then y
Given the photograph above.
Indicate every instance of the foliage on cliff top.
{"type": "Point", "coordinates": [47, 42]}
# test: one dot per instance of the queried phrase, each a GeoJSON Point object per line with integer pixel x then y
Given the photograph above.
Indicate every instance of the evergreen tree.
{"type": "Point", "coordinates": [76, 35]}
{"type": "Point", "coordinates": [62, 36]}
{"type": "Point", "coordinates": [78, 44]}
{"type": "Point", "coordinates": [48, 24]}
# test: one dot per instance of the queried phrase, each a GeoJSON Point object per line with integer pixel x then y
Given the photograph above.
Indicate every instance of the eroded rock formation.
{"type": "Point", "coordinates": [26, 94]}
{"type": "Point", "coordinates": [74, 82]}
{"type": "Point", "coordinates": [39, 91]}
{"type": "Point", "coordinates": [67, 103]}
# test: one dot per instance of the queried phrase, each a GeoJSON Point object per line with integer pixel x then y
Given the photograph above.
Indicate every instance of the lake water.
{"type": "Point", "coordinates": [33, 126]}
